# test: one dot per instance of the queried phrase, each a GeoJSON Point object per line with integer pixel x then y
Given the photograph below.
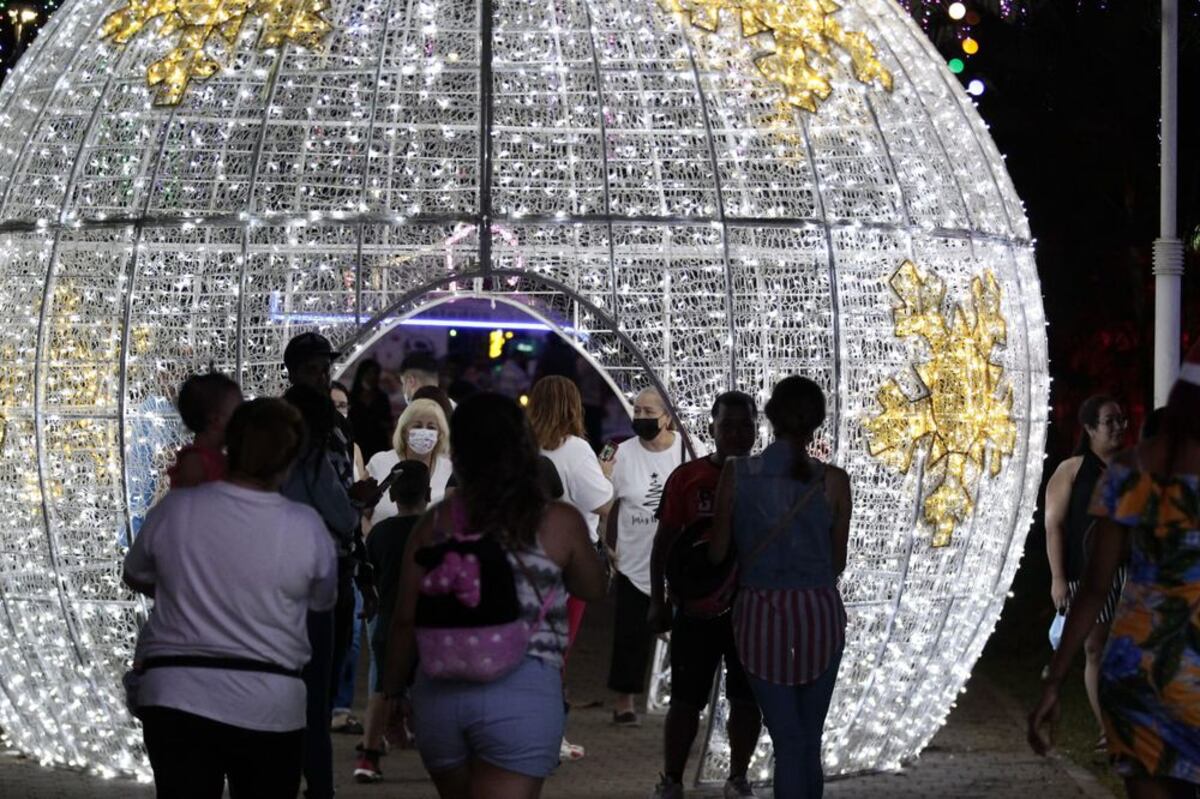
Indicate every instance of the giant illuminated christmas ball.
{"type": "Point", "coordinates": [702, 195]}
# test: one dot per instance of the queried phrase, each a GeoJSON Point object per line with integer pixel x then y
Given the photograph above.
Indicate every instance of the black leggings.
{"type": "Point", "coordinates": [193, 756]}
{"type": "Point", "coordinates": [632, 638]}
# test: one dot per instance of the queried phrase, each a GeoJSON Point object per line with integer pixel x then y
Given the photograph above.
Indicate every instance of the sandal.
{"type": "Point", "coordinates": [346, 725]}
{"type": "Point", "coordinates": [626, 719]}
{"type": "Point", "coordinates": [1100, 754]}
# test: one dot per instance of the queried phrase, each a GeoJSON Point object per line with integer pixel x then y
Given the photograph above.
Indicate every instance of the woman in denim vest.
{"type": "Point", "coordinates": [788, 517]}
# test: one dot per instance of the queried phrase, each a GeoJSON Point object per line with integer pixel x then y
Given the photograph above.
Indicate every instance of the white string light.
{"type": "Point", "coordinates": [655, 196]}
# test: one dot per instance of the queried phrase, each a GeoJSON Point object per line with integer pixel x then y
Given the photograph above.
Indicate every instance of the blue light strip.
{"type": "Point", "coordinates": [279, 316]}
{"type": "Point", "coordinates": [481, 324]}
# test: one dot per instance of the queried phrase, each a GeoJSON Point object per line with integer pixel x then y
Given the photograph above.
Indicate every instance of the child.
{"type": "Point", "coordinates": [206, 402]}
{"type": "Point", "coordinates": [385, 550]}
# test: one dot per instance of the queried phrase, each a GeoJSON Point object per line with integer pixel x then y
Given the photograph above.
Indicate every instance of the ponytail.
{"type": "Point", "coordinates": [796, 409]}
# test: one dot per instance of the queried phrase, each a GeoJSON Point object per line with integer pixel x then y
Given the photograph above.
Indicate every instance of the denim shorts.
{"type": "Point", "coordinates": [514, 723]}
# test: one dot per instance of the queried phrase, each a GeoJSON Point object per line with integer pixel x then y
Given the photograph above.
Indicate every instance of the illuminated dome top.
{"type": "Point", "coordinates": [597, 110]}
{"type": "Point", "coordinates": [637, 179]}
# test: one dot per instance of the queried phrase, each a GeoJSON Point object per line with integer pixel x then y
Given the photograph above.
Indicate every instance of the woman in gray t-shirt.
{"type": "Point", "coordinates": [234, 568]}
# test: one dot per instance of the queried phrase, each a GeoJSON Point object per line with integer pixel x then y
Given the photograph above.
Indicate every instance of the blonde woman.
{"type": "Point", "coordinates": [422, 434]}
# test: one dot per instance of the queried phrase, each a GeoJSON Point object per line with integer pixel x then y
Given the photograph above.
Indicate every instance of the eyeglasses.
{"type": "Point", "coordinates": [1115, 422]}
{"type": "Point", "coordinates": [342, 406]}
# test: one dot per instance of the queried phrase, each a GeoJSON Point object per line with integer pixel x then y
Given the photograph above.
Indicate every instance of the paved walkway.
{"type": "Point", "coordinates": [980, 753]}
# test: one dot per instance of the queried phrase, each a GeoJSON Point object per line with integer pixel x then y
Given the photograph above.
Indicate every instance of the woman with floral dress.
{"type": "Point", "coordinates": [1148, 504]}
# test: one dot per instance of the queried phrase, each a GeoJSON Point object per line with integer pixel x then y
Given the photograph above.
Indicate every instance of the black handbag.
{"type": "Point", "coordinates": [690, 574]}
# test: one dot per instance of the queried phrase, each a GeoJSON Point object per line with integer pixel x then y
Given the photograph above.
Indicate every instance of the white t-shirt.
{"type": "Point", "coordinates": [638, 478]}
{"type": "Point", "coordinates": [584, 483]}
{"type": "Point", "coordinates": [235, 572]}
{"type": "Point", "coordinates": [381, 465]}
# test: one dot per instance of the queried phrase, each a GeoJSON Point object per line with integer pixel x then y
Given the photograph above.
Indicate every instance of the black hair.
{"type": "Point", "coordinates": [1152, 425]}
{"type": "Point", "coordinates": [263, 438]}
{"type": "Point", "coordinates": [734, 399]}
{"type": "Point", "coordinates": [1181, 422]}
{"type": "Point", "coordinates": [317, 410]}
{"type": "Point", "coordinates": [411, 485]}
{"type": "Point", "coordinates": [460, 389]}
{"type": "Point", "coordinates": [364, 366]}
{"type": "Point", "coordinates": [338, 385]}
{"type": "Point", "coordinates": [796, 409]}
{"type": "Point", "coordinates": [1089, 416]}
{"type": "Point", "coordinates": [199, 396]}
{"type": "Point", "coordinates": [419, 361]}
{"type": "Point", "coordinates": [496, 466]}
{"type": "Point", "coordinates": [436, 394]}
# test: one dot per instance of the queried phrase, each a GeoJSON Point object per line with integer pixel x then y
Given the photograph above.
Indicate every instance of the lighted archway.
{"type": "Point", "coordinates": [654, 191]}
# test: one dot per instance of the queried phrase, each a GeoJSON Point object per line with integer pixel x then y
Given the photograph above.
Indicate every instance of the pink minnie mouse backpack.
{"type": "Point", "coordinates": [468, 617]}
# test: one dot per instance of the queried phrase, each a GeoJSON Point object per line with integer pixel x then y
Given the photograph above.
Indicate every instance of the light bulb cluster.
{"type": "Point", "coordinates": [964, 413]}
{"type": "Point", "coordinates": [202, 27]}
{"type": "Point", "coordinates": [650, 196]}
{"type": "Point", "coordinates": [802, 34]}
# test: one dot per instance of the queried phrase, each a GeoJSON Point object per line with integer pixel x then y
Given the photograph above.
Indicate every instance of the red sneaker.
{"type": "Point", "coordinates": [366, 768]}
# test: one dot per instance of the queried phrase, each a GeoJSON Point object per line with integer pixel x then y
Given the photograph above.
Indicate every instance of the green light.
{"type": "Point", "coordinates": [956, 65]}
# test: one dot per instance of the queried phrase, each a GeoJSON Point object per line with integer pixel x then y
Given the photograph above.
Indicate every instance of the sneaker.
{"type": "Point", "coordinates": [626, 718]}
{"type": "Point", "coordinates": [366, 768]}
{"type": "Point", "coordinates": [569, 751]}
{"type": "Point", "coordinates": [739, 788]}
{"type": "Point", "coordinates": [667, 788]}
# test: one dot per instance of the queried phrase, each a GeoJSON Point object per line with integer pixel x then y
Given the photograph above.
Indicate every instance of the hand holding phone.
{"type": "Point", "coordinates": [358, 492]}
{"type": "Point", "coordinates": [396, 471]}
{"type": "Point", "coordinates": [608, 458]}
{"type": "Point", "coordinates": [364, 493]}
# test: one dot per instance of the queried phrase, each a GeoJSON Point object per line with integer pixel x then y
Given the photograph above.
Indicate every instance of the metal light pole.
{"type": "Point", "coordinates": [1168, 249]}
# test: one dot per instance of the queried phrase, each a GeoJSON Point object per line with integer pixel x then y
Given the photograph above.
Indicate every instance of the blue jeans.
{"type": "Point", "coordinates": [795, 717]}
{"type": "Point", "coordinates": [318, 748]}
{"type": "Point", "coordinates": [344, 698]}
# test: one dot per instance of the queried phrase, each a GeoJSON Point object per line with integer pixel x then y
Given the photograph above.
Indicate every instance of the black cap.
{"type": "Point", "coordinates": [305, 347]}
{"type": "Point", "coordinates": [421, 361]}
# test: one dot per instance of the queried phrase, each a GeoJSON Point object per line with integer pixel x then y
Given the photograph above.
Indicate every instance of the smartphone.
{"type": "Point", "coordinates": [386, 483]}
{"type": "Point", "coordinates": [608, 452]}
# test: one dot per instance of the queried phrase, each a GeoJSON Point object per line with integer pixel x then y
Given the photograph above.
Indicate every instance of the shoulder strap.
{"type": "Point", "coordinates": [528, 576]}
{"type": "Point", "coordinates": [545, 603]}
{"type": "Point", "coordinates": [451, 520]}
{"type": "Point", "coordinates": [781, 525]}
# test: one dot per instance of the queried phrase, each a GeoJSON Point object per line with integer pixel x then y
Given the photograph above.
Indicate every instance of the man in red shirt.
{"type": "Point", "coordinates": [702, 632]}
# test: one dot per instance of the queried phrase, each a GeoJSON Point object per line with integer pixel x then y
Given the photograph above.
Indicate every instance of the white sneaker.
{"type": "Point", "coordinates": [667, 788]}
{"type": "Point", "coordinates": [739, 788]}
{"type": "Point", "coordinates": [569, 751]}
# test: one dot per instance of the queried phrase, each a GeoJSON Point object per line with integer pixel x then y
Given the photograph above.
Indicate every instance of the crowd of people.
{"type": "Point", "coordinates": [469, 537]}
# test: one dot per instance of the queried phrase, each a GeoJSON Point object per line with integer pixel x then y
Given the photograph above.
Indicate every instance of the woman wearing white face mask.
{"type": "Point", "coordinates": [422, 434]}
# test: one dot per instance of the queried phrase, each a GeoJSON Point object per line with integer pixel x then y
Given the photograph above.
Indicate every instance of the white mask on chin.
{"type": "Point", "coordinates": [421, 440]}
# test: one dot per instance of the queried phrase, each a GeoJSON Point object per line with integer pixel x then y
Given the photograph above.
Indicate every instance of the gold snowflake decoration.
{"type": "Point", "coordinates": [965, 414]}
{"type": "Point", "coordinates": [799, 57]}
{"type": "Point", "coordinates": [202, 25]}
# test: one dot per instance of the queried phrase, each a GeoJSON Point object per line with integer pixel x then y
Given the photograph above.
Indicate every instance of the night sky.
{"type": "Point", "coordinates": [1073, 102]}
{"type": "Point", "coordinates": [1071, 95]}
